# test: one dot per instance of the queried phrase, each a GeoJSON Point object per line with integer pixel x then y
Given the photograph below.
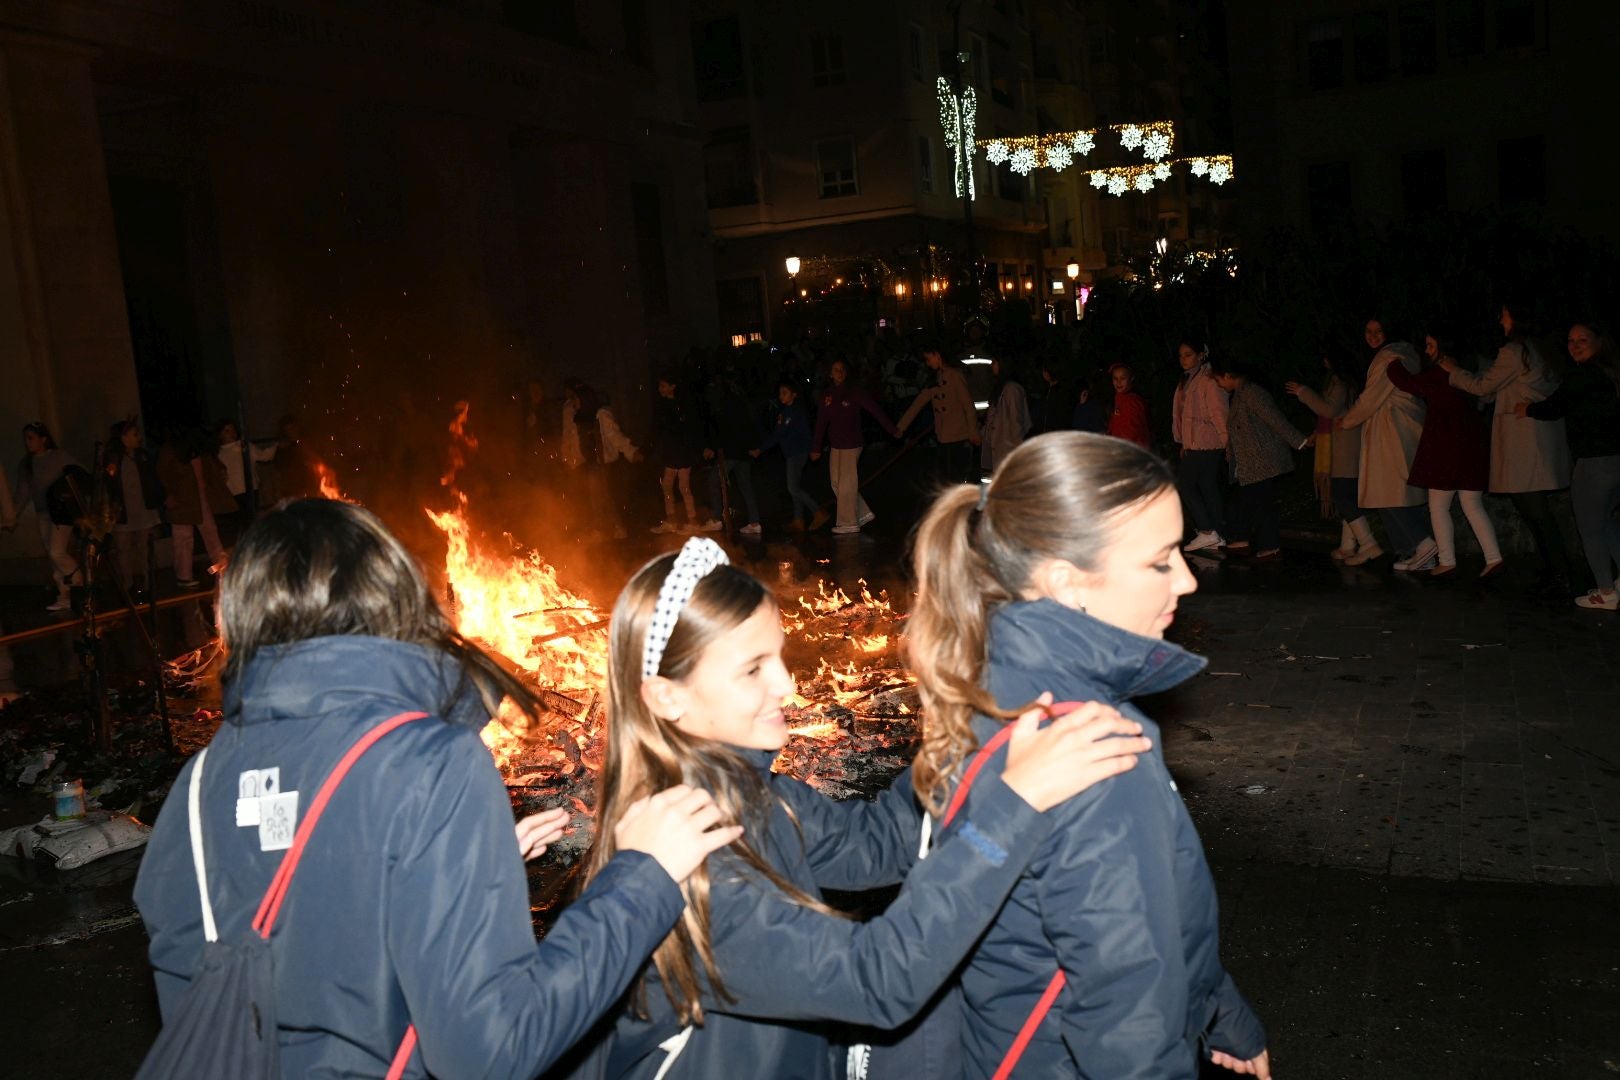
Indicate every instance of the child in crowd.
{"type": "Point", "coordinates": [1062, 576]}
{"type": "Point", "coordinates": [1129, 420]}
{"type": "Point", "coordinates": [1344, 375]}
{"type": "Point", "coordinates": [41, 467]}
{"type": "Point", "coordinates": [1452, 457]}
{"type": "Point", "coordinates": [410, 905]}
{"type": "Point", "coordinates": [839, 423]}
{"type": "Point", "coordinates": [956, 421]}
{"type": "Point", "coordinates": [1261, 448]}
{"type": "Point", "coordinates": [1198, 426]}
{"type": "Point", "coordinates": [790, 433]}
{"type": "Point", "coordinates": [678, 446]}
{"type": "Point", "coordinates": [1007, 422]}
{"type": "Point", "coordinates": [742, 985]}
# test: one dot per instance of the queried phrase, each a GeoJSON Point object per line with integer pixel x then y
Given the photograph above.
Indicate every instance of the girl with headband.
{"type": "Point", "coordinates": [1063, 576]}
{"type": "Point", "coordinates": [759, 963]}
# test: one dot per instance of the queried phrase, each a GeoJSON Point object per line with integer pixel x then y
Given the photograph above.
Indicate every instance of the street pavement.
{"type": "Point", "coordinates": [1407, 789]}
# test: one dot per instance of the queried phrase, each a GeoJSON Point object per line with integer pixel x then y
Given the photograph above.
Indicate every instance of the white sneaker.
{"type": "Point", "coordinates": [865, 519]}
{"type": "Point", "coordinates": [845, 530]}
{"type": "Point", "coordinates": [751, 529]}
{"type": "Point", "coordinates": [1425, 557]}
{"type": "Point", "coordinates": [61, 603]}
{"type": "Point", "coordinates": [665, 527]}
{"type": "Point", "coordinates": [712, 525]}
{"type": "Point", "coordinates": [1364, 555]}
{"type": "Point", "coordinates": [1203, 540]}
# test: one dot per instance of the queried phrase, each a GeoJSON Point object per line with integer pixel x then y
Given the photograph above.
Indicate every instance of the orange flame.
{"type": "Point", "coordinates": [328, 483]}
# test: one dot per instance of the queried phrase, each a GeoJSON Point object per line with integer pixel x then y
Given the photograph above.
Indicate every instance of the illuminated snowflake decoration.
{"type": "Point", "coordinates": [1099, 180]}
{"type": "Point", "coordinates": [1144, 182]}
{"type": "Point", "coordinates": [1022, 161]}
{"type": "Point", "coordinates": [1059, 157]}
{"type": "Point", "coordinates": [996, 152]}
{"type": "Point", "coordinates": [959, 118]}
{"type": "Point", "coordinates": [1161, 171]}
{"type": "Point", "coordinates": [1156, 145]}
{"type": "Point", "coordinates": [1130, 136]}
{"type": "Point", "coordinates": [1082, 143]}
{"type": "Point", "coordinates": [1116, 185]}
{"type": "Point", "coordinates": [1220, 172]}
{"type": "Point", "coordinates": [1199, 166]}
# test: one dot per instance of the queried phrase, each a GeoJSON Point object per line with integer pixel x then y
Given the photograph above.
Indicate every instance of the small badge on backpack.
{"type": "Point", "coordinates": [251, 786]}
{"type": "Point", "coordinates": [278, 820]}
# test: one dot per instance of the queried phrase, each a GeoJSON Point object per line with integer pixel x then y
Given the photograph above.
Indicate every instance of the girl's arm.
{"type": "Point", "coordinates": [1315, 402]}
{"type": "Point", "coordinates": [876, 412]}
{"type": "Point", "coordinates": [1374, 394]}
{"type": "Point", "coordinates": [486, 1000]}
{"type": "Point", "coordinates": [1554, 406]}
{"type": "Point", "coordinates": [1508, 365]}
{"type": "Point", "coordinates": [614, 436]}
{"type": "Point", "coordinates": [855, 844]}
{"type": "Point", "coordinates": [1274, 419]}
{"type": "Point", "coordinates": [783, 961]}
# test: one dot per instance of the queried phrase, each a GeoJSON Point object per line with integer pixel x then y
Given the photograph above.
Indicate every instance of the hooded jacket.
{"type": "Point", "coordinates": [788, 969]}
{"type": "Point", "coordinates": [410, 904]}
{"type": "Point", "coordinates": [1119, 895]}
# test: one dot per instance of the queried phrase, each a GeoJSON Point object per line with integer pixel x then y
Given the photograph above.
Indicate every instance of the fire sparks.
{"type": "Point", "coordinates": [328, 483]}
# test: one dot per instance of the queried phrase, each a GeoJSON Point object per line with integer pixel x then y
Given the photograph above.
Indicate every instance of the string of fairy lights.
{"type": "Point", "coordinates": [1059, 150]}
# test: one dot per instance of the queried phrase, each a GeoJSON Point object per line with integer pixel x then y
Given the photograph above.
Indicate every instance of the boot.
{"type": "Point", "coordinates": [1347, 543]}
{"type": "Point", "coordinates": [1367, 548]}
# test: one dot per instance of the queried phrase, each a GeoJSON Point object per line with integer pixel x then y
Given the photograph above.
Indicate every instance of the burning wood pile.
{"type": "Point", "coordinates": [852, 721]}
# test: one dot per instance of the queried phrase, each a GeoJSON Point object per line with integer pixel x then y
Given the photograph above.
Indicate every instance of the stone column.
{"type": "Point", "coordinates": [63, 284]}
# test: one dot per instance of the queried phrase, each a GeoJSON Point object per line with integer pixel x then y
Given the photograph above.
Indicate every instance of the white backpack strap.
{"type": "Point", "coordinates": [927, 835]}
{"type": "Point", "coordinates": [672, 1047]}
{"type": "Point", "coordinates": [193, 801]}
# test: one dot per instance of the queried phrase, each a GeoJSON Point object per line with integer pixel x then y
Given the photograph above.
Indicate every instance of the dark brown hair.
{"type": "Point", "coordinates": [323, 568]}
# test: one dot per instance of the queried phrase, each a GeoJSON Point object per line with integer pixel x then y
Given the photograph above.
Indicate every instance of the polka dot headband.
{"type": "Point", "coordinates": [697, 560]}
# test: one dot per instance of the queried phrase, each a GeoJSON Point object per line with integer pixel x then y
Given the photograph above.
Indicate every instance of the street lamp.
{"type": "Point", "coordinates": [793, 265]}
{"type": "Point", "coordinates": [1073, 270]}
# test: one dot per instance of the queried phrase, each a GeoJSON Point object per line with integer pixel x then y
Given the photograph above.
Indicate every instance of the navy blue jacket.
{"type": "Point", "coordinates": [1119, 894]}
{"type": "Point", "coordinates": [679, 432]}
{"type": "Point", "coordinates": [411, 902]}
{"type": "Point", "coordinates": [790, 431]}
{"type": "Point", "coordinates": [787, 966]}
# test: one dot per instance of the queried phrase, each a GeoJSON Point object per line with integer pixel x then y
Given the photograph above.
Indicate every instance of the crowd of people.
{"type": "Point", "coordinates": [196, 485]}
{"type": "Point", "coordinates": [1401, 427]}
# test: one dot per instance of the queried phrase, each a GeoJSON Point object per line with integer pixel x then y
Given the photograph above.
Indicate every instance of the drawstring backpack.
{"type": "Point", "coordinates": [226, 1022]}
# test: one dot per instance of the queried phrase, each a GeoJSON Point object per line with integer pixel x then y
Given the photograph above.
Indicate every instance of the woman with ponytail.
{"type": "Point", "coordinates": [747, 980]}
{"type": "Point", "coordinates": [1062, 577]}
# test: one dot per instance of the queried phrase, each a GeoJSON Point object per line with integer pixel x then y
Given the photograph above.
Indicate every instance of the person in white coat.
{"type": "Point", "coordinates": [1007, 422]}
{"type": "Point", "coordinates": [1529, 457]}
{"type": "Point", "coordinates": [1391, 422]}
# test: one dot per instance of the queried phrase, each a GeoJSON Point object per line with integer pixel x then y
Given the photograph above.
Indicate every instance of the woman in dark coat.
{"type": "Point", "coordinates": [410, 906]}
{"type": "Point", "coordinates": [1588, 401]}
{"type": "Point", "coordinates": [1453, 458]}
{"type": "Point", "coordinates": [1062, 578]}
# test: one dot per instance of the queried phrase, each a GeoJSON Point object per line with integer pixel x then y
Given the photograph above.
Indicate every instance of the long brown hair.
{"type": "Point", "coordinates": [1057, 496]}
{"type": "Point", "coordinates": [647, 754]}
{"type": "Point", "coordinates": [319, 568]}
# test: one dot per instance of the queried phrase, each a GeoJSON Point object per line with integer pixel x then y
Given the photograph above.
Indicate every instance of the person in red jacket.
{"type": "Point", "coordinates": [1129, 420]}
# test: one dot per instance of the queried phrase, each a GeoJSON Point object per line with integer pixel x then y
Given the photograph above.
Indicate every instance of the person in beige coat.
{"type": "Point", "coordinates": [1529, 457]}
{"type": "Point", "coordinates": [956, 422]}
{"type": "Point", "coordinates": [1391, 423]}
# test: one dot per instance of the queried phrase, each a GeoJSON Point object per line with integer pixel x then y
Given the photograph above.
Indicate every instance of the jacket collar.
{"type": "Point", "coordinates": [326, 674]}
{"type": "Point", "coordinates": [1045, 636]}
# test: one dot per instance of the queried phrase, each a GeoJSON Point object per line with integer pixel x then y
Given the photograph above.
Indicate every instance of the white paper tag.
{"type": "Point", "coordinates": [251, 786]}
{"type": "Point", "coordinates": [278, 821]}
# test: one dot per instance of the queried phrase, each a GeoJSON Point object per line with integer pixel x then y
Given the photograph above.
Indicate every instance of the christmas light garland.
{"type": "Point", "coordinates": [965, 110]}
{"type": "Point", "coordinates": [1059, 149]}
